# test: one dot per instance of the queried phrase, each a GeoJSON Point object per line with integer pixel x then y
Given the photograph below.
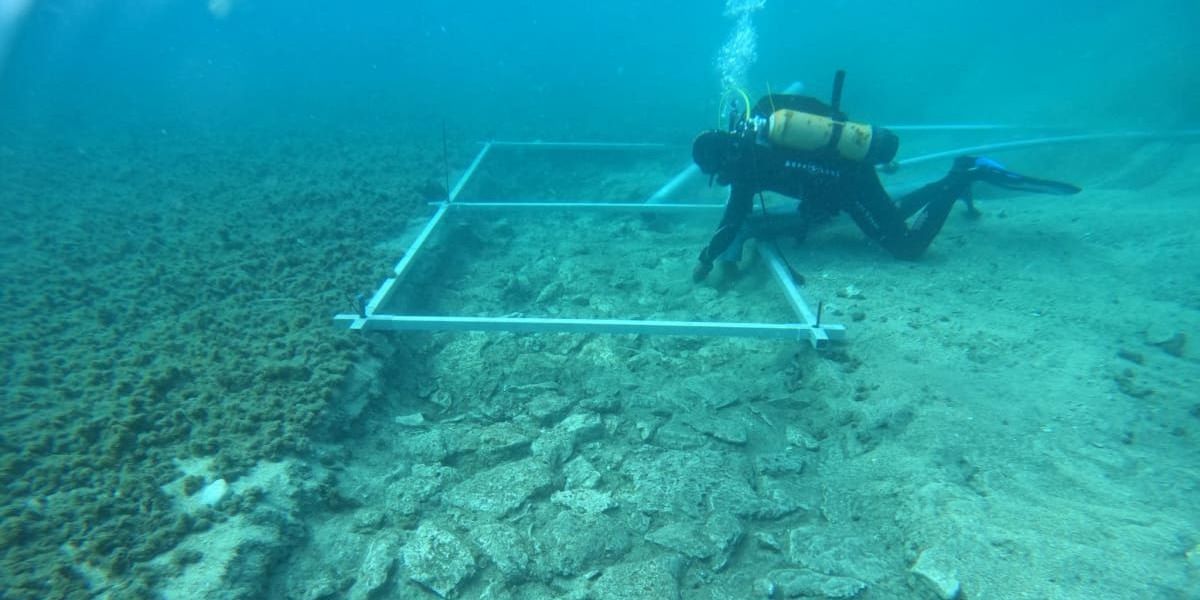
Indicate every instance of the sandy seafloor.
{"type": "Point", "coordinates": [1015, 415]}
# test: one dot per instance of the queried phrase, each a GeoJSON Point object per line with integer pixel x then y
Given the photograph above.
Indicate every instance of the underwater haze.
{"type": "Point", "coordinates": [552, 68]}
{"type": "Point", "coordinates": [192, 190]}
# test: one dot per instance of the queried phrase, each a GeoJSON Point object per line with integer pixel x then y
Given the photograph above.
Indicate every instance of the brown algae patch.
{"type": "Point", "coordinates": [162, 306]}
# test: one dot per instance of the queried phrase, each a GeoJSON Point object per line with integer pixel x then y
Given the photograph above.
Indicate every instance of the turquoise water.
{"type": "Point", "coordinates": [189, 191]}
{"type": "Point", "coordinates": [617, 70]}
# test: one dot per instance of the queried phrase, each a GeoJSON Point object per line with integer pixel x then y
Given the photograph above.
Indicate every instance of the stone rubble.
{"type": "Point", "coordinates": [437, 559]}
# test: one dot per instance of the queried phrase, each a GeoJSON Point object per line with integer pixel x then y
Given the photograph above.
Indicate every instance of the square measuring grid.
{"type": "Point", "coordinates": [390, 310]}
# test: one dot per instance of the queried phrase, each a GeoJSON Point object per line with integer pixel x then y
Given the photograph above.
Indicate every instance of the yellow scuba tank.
{"type": "Point", "coordinates": [853, 141]}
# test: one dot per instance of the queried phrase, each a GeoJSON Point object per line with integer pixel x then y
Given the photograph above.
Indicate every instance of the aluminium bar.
{"type": "Point", "coordinates": [418, 243]}
{"type": "Point", "coordinates": [819, 334]}
{"type": "Point", "coordinates": [593, 145]}
{"type": "Point", "coordinates": [975, 127]}
{"type": "Point", "coordinates": [1045, 141]}
{"type": "Point", "coordinates": [381, 295]}
{"type": "Point", "coordinates": [389, 285]}
{"type": "Point", "coordinates": [660, 196]}
{"type": "Point", "coordinates": [615, 205]}
{"type": "Point", "coordinates": [462, 181]}
{"type": "Point", "coordinates": [386, 290]}
{"type": "Point", "coordinates": [784, 278]}
{"type": "Point", "coordinates": [787, 331]}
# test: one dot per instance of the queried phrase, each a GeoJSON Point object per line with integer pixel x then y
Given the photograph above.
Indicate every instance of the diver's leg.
{"type": "Point", "coordinates": [911, 203]}
{"type": "Point", "coordinates": [969, 169]}
{"type": "Point", "coordinates": [883, 221]}
{"type": "Point", "coordinates": [926, 226]}
{"type": "Point", "coordinates": [957, 183]}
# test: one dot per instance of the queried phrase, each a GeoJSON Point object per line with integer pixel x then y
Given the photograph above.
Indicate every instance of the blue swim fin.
{"type": "Point", "coordinates": [989, 171]}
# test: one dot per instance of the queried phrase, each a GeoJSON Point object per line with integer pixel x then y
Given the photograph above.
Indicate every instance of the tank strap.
{"type": "Point", "coordinates": [836, 136]}
{"type": "Point", "coordinates": [839, 80]}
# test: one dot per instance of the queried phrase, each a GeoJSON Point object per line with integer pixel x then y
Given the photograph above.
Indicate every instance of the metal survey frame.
{"type": "Point", "coordinates": [809, 327]}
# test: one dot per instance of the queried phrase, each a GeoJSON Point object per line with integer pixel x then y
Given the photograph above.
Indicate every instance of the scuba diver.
{"type": "Point", "coordinates": [803, 148]}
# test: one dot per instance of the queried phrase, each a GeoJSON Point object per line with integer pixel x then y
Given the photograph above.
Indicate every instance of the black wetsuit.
{"type": "Point", "coordinates": [827, 184]}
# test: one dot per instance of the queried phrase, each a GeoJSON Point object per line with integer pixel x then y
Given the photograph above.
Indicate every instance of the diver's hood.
{"type": "Point", "coordinates": [712, 150]}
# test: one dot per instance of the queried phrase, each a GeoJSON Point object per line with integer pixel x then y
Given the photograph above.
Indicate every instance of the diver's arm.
{"type": "Point", "coordinates": [741, 201]}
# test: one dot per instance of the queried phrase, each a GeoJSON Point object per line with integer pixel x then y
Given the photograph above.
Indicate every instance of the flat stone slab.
{"type": "Point", "coordinates": [779, 463]}
{"type": "Point", "coordinates": [407, 496]}
{"type": "Point", "coordinates": [691, 484]}
{"type": "Point", "coordinates": [685, 538]}
{"type": "Point", "coordinates": [935, 568]}
{"type": "Point", "coordinates": [376, 567]}
{"type": "Point", "coordinates": [573, 543]}
{"type": "Point", "coordinates": [505, 547]}
{"type": "Point", "coordinates": [837, 553]}
{"type": "Point", "coordinates": [799, 583]}
{"type": "Point", "coordinates": [502, 440]}
{"type": "Point", "coordinates": [584, 500]}
{"type": "Point", "coordinates": [699, 540]}
{"type": "Point", "coordinates": [637, 581]}
{"type": "Point", "coordinates": [501, 489]}
{"type": "Point", "coordinates": [720, 427]}
{"type": "Point", "coordinates": [438, 559]}
{"type": "Point", "coordinates": [580, 474]}
{"type": "Point", "coordinates": [558, 444]}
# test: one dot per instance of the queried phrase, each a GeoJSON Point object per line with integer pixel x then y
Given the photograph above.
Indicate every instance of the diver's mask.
{"type": "Point", "coordinates": [715, 152]}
